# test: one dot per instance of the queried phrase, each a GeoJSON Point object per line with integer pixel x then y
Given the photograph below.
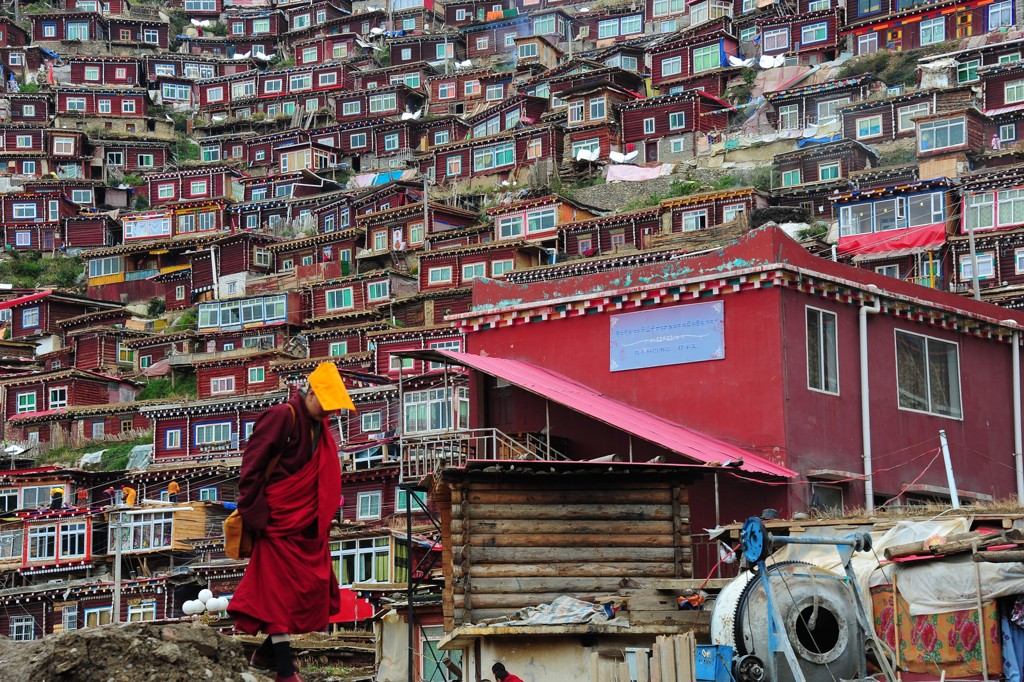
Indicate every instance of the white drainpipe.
{"type": "Point", "coordinates": [865, 399]}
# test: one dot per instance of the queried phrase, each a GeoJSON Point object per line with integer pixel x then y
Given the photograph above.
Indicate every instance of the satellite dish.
{"type": "Point", "coordinates": [265, 57]}
{"type": "Point", "coordinates": [376, 31]}
{"type": "Point", "coordinates": [243, 56]}
{"type": "Point", "coordinates": [586, 155]}
{"type": "Point", "coordinates": [406, 116]}
{"type": "Point", "coordinates": [632, 155]}
{"type": "Point", "coordinates": [766, 61]}
{"type": "Point", "coordinates": [417, 114]}
{"type": "Point", "coordinates": [739, 61]}
{"type": "Point", "coordinates": [617, 157]}
{"type": "Point", "coordinates": [362, 43]}
{"type": "Point", "coordinates": [780, 60]}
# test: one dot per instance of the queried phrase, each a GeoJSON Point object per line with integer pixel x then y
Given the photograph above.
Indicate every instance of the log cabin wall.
{"type": "Point", "coordinates": [524, 540]}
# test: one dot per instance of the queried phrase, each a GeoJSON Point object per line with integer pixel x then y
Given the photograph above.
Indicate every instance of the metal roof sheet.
{"type": "Point", "coordinates": [652, 428]}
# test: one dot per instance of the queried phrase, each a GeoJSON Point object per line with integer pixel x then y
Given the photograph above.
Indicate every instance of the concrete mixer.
{"type": "Point", "coordinates": [791, 621]}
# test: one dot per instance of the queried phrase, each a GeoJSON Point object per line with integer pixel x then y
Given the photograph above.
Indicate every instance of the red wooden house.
{"type": "Point", "coordinates": [703, 54]}
{"type": "Point", "coordinates": [400, 229]}
{"type": "Point", "coordinates": [12, 35]}
{"type": "Point", "coordinates": [357, 295]}
{"type": "Point", "coordinates": [536, 220]}
{"type": "Point", "coordinates": [391, 100]}
{"type": "Point", "coordinates": [329, 48]}
{"type": "Point", "coordinates": [439, 130]}
{"type": "Point", "coordinates": [102, 70]}
{"type": "Point", "coordinates": [428, 47]}
{"type": "Point", "coordinates": [201, 430]}
{"type": "Point", "coordinates": [514, 112]}
{"type": "Point", "coordinates": [602, 235]}
{"type": "Point", "coordinates": [33, 221]}
{"type": "Point", "coordinates": [457, 267]}
{"type": "Point", "coordinates": [503, 154]}
{"type": "Point", "coordinates": [708, 209]}
{"type": "Point", "coordinates": [666, 127]}
{"type": "Point", "coordinates": [99, 101]}
{"type": "Point", "coordinates": [245, 371]}
{"type": "Point", "coordinates": [22, 150]}
{"type": "Point", "coordinates": [33, 404]}
{"type": "Point", "coordinates": [257, 24]}
{"type": "Point", "coordinates": [891, 118]}
{"type": "Point", "coordinates": [29, 108]}
{"type": "Point", "coordinates": [322, 256]}
{"type": "Point", "coordinates": [608, 24]}
{"type": "Point", "coordinates": [458, 13]}
{"type": "Point", "coordinates": [140, 33]}
{"type": "Point", "coordinates": [192, 67]}
{"type": "Point", "coordinates": [986, 204]}
{"type": "Point", "coordinates": [826, 162]}
{"type": "Point", "coordinates": [210, 182]}
{"type": "Point", "coordinates": [89, 231]}
{"type": "Point", "coordinates": [133, 156]}
{"type": "Point", "coordinates": [813, 37]}
{"type": "Point", "coordinates": [895, 25]}
{"type": "Point", "coordinates": [346, 340]}
{"type": "Point", "coordinates": [391, 341]}
{"type": "Point", "coordinates": [798, 107]}
{"type": "Point", "coordinates": [151, 349]}
{"type": "Point", "coordinates": [414, 75]}
{"type": "Point", "coordinates": [37, 314]}
{"type": "Point", "coordinates": [68, 27]}
{"type": "Point", "coordinates": [540, 51]}
{"type": "Point", "coordinates": [456, 93]}
{"type": "Point", "coordinates": [303, 15]}
{"type": "Point", "coordinates": [495, 41]}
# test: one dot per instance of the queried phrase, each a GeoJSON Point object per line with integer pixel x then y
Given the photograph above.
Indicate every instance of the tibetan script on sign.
{"type": "Point", "coordinates": [668, 336]}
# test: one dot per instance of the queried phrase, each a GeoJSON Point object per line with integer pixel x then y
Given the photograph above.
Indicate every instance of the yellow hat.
{"type": "Point", "coordinates": [329, 388]}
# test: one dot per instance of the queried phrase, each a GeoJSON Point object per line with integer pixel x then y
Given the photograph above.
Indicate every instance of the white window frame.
{"type": "Point", "coordinates": [368, 505]}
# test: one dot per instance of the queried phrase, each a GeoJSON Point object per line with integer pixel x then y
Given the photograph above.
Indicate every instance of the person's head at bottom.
{"type": "Point", "coordinates": [326, 394]}
{"type": "Point", "coordinates": [499, 671]}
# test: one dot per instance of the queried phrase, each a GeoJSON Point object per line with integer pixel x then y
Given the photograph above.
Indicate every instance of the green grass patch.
{"type": "Point", "coordinates": [29, 269]}
{"type": "Point", "coordinates": [114, 457]}
{"type": "Point", "coordinates": [184, 388]}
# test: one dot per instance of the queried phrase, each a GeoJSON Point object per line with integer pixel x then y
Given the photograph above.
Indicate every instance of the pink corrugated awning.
{"type": "Point", "coordinates": [652, 428]}
{"type": "Point", "coordinates": [24, 299]}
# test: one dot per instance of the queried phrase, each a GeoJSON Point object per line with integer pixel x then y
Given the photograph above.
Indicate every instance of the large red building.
{"type": "Point", "coordinates": [758, 347]}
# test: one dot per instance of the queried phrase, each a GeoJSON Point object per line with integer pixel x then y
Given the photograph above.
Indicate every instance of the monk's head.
{"type": "Point", "coordinates": [315, 408]}
{"type": "Point", "coordinates": [326, 395]}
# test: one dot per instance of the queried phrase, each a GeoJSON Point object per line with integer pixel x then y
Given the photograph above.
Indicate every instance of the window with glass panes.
{"type": "Point", "coordinates": [706, 58]}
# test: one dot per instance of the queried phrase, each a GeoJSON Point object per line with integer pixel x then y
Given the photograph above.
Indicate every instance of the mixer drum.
{"type": "Point", "coordinates": [819, 611]}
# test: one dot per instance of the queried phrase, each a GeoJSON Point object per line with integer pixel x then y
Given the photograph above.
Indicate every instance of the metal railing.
{"type": "Point", "coordinates": [423, 455]}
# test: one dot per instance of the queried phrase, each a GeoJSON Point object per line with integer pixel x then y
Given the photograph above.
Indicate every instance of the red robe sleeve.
{"type": "Point", "coordinates": [269, 437]}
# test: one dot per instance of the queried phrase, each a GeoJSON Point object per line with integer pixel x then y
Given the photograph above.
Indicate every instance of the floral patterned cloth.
{"type": "Point", "coordinates": [948, 641]}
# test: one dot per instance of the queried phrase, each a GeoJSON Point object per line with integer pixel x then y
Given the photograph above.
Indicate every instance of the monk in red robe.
{"type": "Point", "coordinates": [289, 586]}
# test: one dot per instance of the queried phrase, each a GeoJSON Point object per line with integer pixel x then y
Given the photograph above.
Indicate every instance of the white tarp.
{"type": "Point", "coordinates": [563, 611]}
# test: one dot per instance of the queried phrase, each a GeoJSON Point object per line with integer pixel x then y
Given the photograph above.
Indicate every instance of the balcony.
{"type": "Point", "coordinates": [424, 455]}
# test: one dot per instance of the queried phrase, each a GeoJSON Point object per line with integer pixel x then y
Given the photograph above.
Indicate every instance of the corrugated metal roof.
{"type": "Point", "coordinates": [662, 432]}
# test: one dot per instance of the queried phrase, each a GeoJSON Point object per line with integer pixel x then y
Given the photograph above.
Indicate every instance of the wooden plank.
{"type": "Point", "coordinates": [667, 659]}
{"type": "Point", "coordinates": [557, 540]}
{"type": "Point", "coordinates": [1005, 556]}
{"type": "Point", "coordinates": [473, 527]}
{"type": "Point", "coordinates": [579, 496]}
{"type": "Point", "coordinates": [575, 511]}
{"type": "Point", "coordinates": [685, 650]}
{"type": "Point", "coordinates": [566, 554]}
{"type": "Point", "coordinates": [699, 619]}
{"type": "Point", "coordinates": [590, 570]}
{"type": "Point", "coordinates": [554, 584]}
{"type": "Point", "coordinates": [508, 603]}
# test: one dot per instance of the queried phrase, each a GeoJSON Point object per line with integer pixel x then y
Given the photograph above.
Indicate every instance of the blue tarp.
{"type": "Point", "coordinates": [818, 140]}
{"type": "Point", "coordinates": [390, 176]}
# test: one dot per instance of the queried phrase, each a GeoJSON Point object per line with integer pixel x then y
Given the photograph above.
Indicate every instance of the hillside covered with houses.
{"type": "Point", "coordinates": [598, 276]}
